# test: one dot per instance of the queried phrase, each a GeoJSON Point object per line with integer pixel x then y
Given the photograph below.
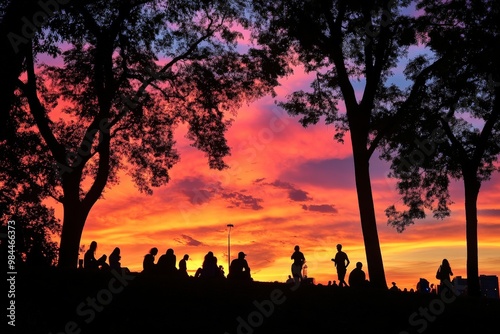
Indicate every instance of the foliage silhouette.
{"type": "Point", "coordinates": [130, 73]}
{"type": "Point", "coordinates": [453, 126]}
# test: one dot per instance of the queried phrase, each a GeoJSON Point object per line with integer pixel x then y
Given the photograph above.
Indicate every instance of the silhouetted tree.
{"type": "Point", "coordinates": [20, 20]}
{"type": "Point", "coordinates": [344, 42]}
{"type": "Point", "coordinates": [23, 190]}
{"type": "Point", "coordinates": [453, 127]}
{"type": "Point", "coordinates": [130, 72]}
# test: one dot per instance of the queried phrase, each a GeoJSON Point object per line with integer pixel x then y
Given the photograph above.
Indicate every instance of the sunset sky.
{"type": "Point", "coordinates": [286, 186]}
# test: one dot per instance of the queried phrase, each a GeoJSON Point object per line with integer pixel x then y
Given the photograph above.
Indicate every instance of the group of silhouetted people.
{"type": "Point", "coordinates": [357, 277]}
{"type": "Point", "coordinates": [90, 262]}
{"type": "Point", "coordinates": [443, 274]}
{"type": "Point", "coordinates": [210, 269]}
{"type": "Point", "coordinates": [239, 269]}
{"type": "Point", "coordinates": [166, 264]}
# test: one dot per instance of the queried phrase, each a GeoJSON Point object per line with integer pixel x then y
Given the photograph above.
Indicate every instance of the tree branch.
{"type": "Point", "coordinates": [337, 55]}
{"type": "Point", "coordinates": [162, 71]}
{"type": "Point", "coordinates": [38, 111]}
{"type": "Point", "coordinates": [488, 128]}
{"type": "Point", "coordinates": [419, 83]}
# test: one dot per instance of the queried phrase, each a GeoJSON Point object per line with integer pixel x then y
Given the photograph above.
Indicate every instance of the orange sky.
{"type": "Point", "coordinates": [286, 186]}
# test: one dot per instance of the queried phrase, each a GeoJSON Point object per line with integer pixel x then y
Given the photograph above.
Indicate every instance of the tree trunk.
{"type": "Point", "coordinates": [367, 211]}
{"type": "Point", "coordinates": [73, 223]}
{"type": "Point", "coordinates": [471, 187]}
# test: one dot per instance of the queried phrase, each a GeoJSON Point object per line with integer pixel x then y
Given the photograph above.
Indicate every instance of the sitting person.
{"type": "Point", "coordinates": [183, 266]}
{"type": "Point", "coordinates": [394, 287]}
{"type": "Point", "coordinates": [423, 286]}
{"type": "Point", "coordinates": [239, 270]}
{"type": "Point", "coordinates": [210, 269]}
{"type": "Point", "coordinates": [357, 277]}
{"type": "Point", "coordinates": [114, 261]}
{"type": "Point", "coordinates": [198, 273]}
{"type": "Point", "coordinates": [89, 260]}
{"type": "Point", "coordinates": [148, 265]}
{"type": "Point", "coordinates": [166, 263]}
{"type": "Point", "coordinates": [104, 265]}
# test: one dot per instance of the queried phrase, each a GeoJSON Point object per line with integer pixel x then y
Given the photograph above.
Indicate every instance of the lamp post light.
{"type": "Point", "coordinates": [229, 226]}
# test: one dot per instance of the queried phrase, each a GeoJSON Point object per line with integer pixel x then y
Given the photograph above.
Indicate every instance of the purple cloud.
{"type": "Point", "coordinates": [197, 189]}
{"type": "Point", "coordinates": [240, 200]}
{"type": "Point", "coordinates": [332, 173]}
{"type": "Point", "coordinates": [323, 208]}
{"type": "Point", "coordinates": [295, 194]}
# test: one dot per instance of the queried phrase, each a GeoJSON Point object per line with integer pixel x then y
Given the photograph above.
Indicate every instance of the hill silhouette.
{"type": "Point", "coordinates": [104, 302]}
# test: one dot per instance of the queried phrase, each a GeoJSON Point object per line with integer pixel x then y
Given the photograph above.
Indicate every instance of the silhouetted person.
{"type": "Point", "coordinates": [443, 274]}
{"type": "Point", "coordinates": [210, 268]}
{"type": "Point", "coordinates": [166, 263]}
{"type": "Point", "coordinates": [183, 266]}
{"type": "Point", "coordinates": [298, 261]}
{"type": "Point", "coordinates": [148, 265]}
{"type": "Point", "coordinates": [357, 277]}
{"type": "Point", "coordinates": [239, 270]}
{"type": "Point", "coordinates": [341, 262]}
{"type": "Point", "coordinates": [423, 286]}
{"type": "Point", "coordinates": [290, 280]}
{"type": "Point", "coordinates": [394, 287]}
{"type": "Point", "coordinates": [221, 272]}
{"type": "Point", "coordinates": [89, 260]}
{"type": "Point", "coordinates": [103, 265]}
{"type": "Point", "coordinates": [335, 284]}
{"type": "Point", "coordinates": [114, 261]}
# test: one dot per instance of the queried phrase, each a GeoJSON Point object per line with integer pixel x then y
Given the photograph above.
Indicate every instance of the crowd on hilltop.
{"type": "Point", "coordinates": [239, 269]}
{"type": "Point", "coordinates": [167, 264]}
{"type": "Point", "coordinates": [357, 277]}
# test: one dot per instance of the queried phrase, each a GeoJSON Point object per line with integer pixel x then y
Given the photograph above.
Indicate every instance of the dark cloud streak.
{"type": "Point", "coordinates": [295, 194]}
{"type": "Point", "coordinates": [240, 200]}
{"type": "Point", "coordinates": [188, 241]}
{"type": "Point", "coordinates": [323, 208]}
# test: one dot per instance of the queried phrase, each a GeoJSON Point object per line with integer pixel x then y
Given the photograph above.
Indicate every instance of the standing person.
{"type": "Point", "coordinates": [183, 266]}
{"type": "Point", "coordinates": [443, 274]}
{"type": "Point", "coordinates": [298, 261]}
{"type": "Point", "coordinates": [341, 262]}
{"type": "Point", "coordinates": [148, 265]}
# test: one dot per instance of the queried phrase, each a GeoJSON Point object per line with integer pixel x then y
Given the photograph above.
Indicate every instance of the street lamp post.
{"type": "Point", "coordinates": [229, 246]}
